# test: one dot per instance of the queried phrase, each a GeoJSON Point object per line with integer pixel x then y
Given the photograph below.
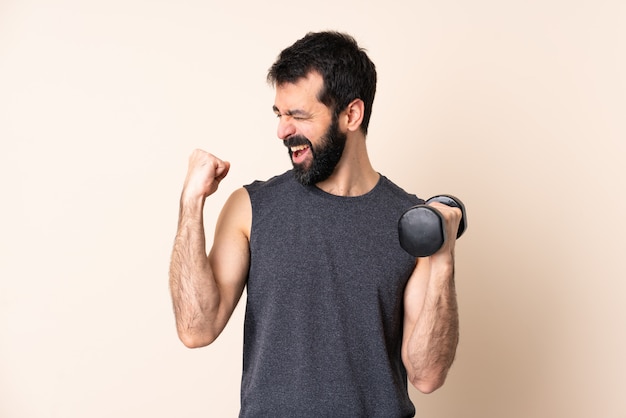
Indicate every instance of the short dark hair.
{"type": "Point", "coordinates": [347, 71]}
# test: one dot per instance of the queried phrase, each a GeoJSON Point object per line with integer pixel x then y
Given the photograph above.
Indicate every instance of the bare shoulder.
{"type": "Point", "coordinates": [236, 215]}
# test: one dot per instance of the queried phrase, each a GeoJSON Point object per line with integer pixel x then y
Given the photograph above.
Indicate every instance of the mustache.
{"type": "Point", "coordinates": [294, 141]}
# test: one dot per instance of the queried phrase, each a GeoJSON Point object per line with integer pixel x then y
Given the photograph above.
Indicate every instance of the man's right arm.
{"type": "Point", "coordinates": [205, 288]}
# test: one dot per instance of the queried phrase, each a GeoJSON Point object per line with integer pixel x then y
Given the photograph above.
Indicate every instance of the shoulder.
{"type": "Point", "coordinates": [276, 181]}
{"type": "Point", "coordinates": [391, 188]}
{"type": "Point", "coordinates": [237, 211]}
{"type": "Point", "coordinates": [236, 214]}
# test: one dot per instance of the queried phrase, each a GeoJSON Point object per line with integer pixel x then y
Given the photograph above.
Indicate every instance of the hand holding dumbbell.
{"type": "Point", "coordinates": [422, 229]}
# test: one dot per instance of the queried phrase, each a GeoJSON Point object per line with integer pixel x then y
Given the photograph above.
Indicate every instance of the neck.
{"type": "Point", "coordinates": [354, 174]}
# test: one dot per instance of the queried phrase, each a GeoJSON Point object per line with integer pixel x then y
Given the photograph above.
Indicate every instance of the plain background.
{"type": "Point", "coordinates": [517, 107]}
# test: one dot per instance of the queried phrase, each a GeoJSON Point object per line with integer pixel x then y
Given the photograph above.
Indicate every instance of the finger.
{"type": "Point", "coordinates": [221, 170]}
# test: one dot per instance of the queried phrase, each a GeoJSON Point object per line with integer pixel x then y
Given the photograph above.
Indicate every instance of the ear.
{"type": "Point", "coordinates": [353, 115]}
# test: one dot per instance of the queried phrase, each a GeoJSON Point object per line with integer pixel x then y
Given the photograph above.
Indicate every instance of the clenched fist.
{"type": "Point", "coordinates": [203, 175]}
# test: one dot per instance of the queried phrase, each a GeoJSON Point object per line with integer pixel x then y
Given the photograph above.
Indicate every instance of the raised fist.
{"type": "Point", "coordinates": [204, 174]}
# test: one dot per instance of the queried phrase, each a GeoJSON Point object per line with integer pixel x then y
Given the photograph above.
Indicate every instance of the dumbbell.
{"type": "Point", "coordinates": [421, 229]}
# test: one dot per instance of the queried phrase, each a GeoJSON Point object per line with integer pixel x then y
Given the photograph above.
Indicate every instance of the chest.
{"type": "Point", "coordinates": [299, 250]}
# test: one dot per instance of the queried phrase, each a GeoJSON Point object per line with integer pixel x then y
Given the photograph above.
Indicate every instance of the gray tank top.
{"type": "Point", "coordinates": [324, 313]}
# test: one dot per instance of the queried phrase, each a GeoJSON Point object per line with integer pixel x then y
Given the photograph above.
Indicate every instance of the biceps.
{"type": "Point", "coordinates": [229, 262]}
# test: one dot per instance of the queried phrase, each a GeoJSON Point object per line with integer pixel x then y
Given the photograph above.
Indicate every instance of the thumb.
{"type": "Point", "coordinates": [222, 170]}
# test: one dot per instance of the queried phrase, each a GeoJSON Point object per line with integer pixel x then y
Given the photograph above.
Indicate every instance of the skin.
{"type": "Point", "coordinates": [205, 288]}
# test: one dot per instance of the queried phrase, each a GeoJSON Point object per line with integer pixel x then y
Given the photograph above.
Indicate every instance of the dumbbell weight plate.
{"type": "Point", "coordinates": [421, 231]}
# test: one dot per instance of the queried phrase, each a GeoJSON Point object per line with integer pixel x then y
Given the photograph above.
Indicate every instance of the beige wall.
{"type": "Point", "coordinates": [515, 106]}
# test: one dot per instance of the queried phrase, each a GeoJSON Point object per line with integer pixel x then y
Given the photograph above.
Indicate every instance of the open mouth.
{"type": "Point", "coordinates": [298, 153]}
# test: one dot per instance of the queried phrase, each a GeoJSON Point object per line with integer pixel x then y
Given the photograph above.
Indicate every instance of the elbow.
{"type": "Point", "coordinates": [193, 340]}
{"type": "Point", "coordinates": [427, 386]}
{"type": "Point", "coordinates": [428, 380]}
{"type": "Point", "coordinates": [197, 334]}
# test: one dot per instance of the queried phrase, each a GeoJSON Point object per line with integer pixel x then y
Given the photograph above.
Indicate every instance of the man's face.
{"type": "Point", "coordinates": [308, 129]}
{"type": "Point", "coordinates": [324, 156]}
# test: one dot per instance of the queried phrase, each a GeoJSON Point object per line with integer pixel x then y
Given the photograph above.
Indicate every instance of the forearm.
{"type": "Point", "coordinates": [194, 292]}
{"type": "Point", "coordinates": [432, 332]}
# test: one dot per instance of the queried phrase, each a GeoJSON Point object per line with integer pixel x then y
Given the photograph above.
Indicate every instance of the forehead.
{"type": "Point", "coordinates": [301, 94]}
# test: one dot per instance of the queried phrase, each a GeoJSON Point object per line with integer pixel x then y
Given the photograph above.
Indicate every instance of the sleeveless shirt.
{"type": "Point", "coordinates": [324, 311]}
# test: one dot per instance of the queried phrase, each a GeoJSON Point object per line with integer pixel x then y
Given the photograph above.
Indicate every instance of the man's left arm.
{"type": "Point", "coordinates": [431, 319]}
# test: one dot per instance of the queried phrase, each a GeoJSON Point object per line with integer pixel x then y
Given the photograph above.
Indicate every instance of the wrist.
{"type": "Point", "coordinates": [442, 263]}
{"type": "Point", "coordinates": [191, 206]}
{"type": "Point", "coordinates": [191, 198]}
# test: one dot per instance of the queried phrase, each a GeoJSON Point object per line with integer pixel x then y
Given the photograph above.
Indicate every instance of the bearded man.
{"type": "Point", "coordinates": [338, 316]}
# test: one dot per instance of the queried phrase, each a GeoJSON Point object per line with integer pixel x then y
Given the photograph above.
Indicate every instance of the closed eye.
{"type": "Point", "coordinates": [296, 114]}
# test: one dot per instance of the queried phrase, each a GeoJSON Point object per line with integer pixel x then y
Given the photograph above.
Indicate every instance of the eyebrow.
{"type": "Point", "coordinates": [293, 112]}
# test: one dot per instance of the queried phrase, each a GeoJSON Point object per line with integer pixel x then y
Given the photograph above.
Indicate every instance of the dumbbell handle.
{"type": "Point", "coordinates": [454, 202]}
{"type": "Point", "coordinates": [421, 229]}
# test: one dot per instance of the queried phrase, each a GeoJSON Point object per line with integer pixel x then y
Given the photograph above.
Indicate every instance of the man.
{"type": "Point", "coordinates": [337, 315]}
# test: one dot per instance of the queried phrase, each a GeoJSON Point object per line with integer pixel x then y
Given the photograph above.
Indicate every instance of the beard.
{"type": "Point", "coordinates": [325, 156]}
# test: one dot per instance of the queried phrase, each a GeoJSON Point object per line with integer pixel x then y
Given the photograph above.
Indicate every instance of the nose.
{"type": "Point", "coordinates": [286, 127]}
